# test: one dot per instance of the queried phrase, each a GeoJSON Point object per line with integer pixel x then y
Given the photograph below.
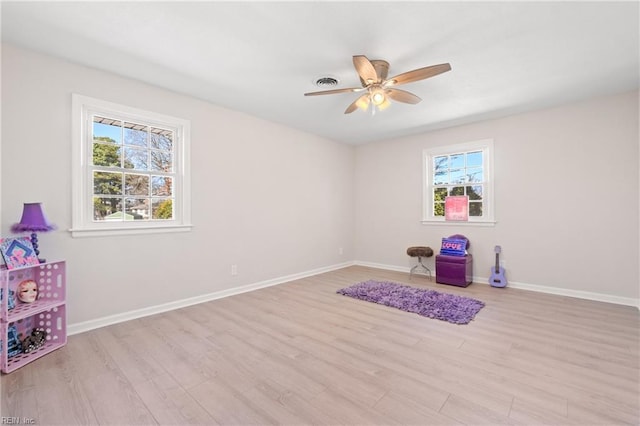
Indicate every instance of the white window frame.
{"type": "Point", "coordinates": [488, 208]}
{"type": "Point", "coordinates": [83, 108]}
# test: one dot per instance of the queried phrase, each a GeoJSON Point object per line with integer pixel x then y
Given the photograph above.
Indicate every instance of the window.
{"type": "Point", "coordinates": [464, 169]}
{"type": "Point", "coordinates": [130, 170]}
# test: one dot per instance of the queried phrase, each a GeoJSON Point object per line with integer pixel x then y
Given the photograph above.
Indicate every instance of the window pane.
{"type": "Point", "coordinates": [161, 161]}
{"type": "Point", "coordinates": [439, 194]}
{"type": "Point", "coordinates": [440, 163]}
{"type": "Point", "coordinates": [161, 139]}
{"type": "Point", "coordinates": [107, 183]}
{"type": "Point", "coordinates": [474, 159]}
{"type": "Point", "coordinates": [136, 184]}
{"type": "Point", "coordinates": [457, 190]}
{"type": "Point", "coordinates": [106, 208]}
{"type": "Point", "coordinates": [107, 155]}
{"type": "Point", "coordinates": [135, 158]}
{"type": "Point", "coordinates": [107, 130]}
{"type": "Point", "coordinates": [161, 186]}
{"type": "Point", "coordinates": [135, 134]}
{"type": "Point", "coordinates": [163, 209]}
{"type": "Point", "coordinates": [441, 177]}
{"type": "Point", "coordinates": [457, 161]}
{"type": "Point", "coordinates": [475, 208]}
{"type": "Point", "coordinates": [438, 209]}
{"type": "Point", "coordinates": [474, 174]}
{"type": "Point", "coordinates": [474, 192]}
{"type": "Point", "coordinates": [457, 176]}
{"type": "Point", "coordinates": [136, 209]}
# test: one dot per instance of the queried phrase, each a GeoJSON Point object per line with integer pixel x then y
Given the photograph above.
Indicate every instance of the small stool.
{"type": "Point", "coordinates": [420, 252]}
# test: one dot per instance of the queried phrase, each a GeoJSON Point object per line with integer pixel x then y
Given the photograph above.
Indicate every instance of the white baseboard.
{"type": "Point", "coordinates": [152, 310]}
{"type": "Point", "coordinates": [383, 266]}
{"type": "Point", "coordinates": [600, 297]}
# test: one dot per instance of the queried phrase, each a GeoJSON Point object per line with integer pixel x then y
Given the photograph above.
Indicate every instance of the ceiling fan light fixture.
{"type": "Point", "coordinates": [363, 103]}
{"type": "Point", "coordinates": [378, 98]}
{"type": "Point", "coordinates": [384, 105]}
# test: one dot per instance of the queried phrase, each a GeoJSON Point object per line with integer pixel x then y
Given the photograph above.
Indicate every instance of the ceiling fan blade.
{"type": "Point", "coordinates": [402, 96]}
{"type": "Point", "coordinates": [365, 69]}
{"type": "Point", "coordinates": [331, 92]}
{"type": "Point", "coordinates": [418, 74]}
{"type": "Point", "coordinates": [362, 102]}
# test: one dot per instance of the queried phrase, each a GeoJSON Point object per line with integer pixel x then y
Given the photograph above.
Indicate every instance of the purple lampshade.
{"type": "Point", "coordinates": [33, 220]}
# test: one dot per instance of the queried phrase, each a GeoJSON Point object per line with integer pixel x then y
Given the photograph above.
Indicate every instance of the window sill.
{"type": "Point", "coordinates": [481, 223]}
{"type": "Point", "coordinates": [102, 232]}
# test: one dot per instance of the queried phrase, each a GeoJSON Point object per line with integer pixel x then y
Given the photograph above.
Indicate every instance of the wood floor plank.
{"type": "Point", "coordinates": [299, 353]}
{"type": "Point", "coordinates": [409, 412]}
{"type": "Point", "coordinates": [114, 401]}
{"type": "Point", "coordinates": [468, 413]}
{"type": "Point", "coordinates": [169, 403]}
{"type": "Point", "coordinates": [347, 412]}
{"type": "Point", "coordinates": [523, 413]}
{"type": "Point", "coordinates": [286, 374]}
{"type": "Point", "coordinates": [227, 406]}
{"type": "Point", "coordinates": [64, 405]}
{"type": "Point", "coordinates": [282, 406]}
{"type": "Point", "coordinates": [131, 357]}
{"type": "Point", "coordinates": [187, 368]}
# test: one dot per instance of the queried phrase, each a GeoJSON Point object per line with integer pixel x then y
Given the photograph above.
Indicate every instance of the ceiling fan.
{"type": "Point", "coordinates": [379, 89]}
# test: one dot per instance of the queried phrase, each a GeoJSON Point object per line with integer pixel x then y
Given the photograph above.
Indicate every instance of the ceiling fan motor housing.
{"type": "Point", "coordinates": [382, 71]}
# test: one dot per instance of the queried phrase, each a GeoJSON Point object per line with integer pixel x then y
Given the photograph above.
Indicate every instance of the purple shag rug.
{"type": "Point", "coordinates": [428, 303]}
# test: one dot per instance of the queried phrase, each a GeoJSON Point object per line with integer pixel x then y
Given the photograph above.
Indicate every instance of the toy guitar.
{"type": "Point", "coordinates": [497, 278]}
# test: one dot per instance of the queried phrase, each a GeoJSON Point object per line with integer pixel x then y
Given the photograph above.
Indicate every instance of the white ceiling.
{"type": "Point", "coordinates": [260, 57]}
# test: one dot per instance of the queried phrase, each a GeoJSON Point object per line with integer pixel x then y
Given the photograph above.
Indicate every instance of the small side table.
{"type": "Point", "coordinates": [420, 252]}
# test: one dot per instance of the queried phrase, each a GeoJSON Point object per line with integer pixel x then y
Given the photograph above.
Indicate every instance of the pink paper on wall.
{"type": "Point", "coordinates": [456, 208]}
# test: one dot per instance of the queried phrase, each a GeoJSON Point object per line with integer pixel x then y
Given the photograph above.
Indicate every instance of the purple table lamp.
{"type": "Point", "coordinates": [33, 221]}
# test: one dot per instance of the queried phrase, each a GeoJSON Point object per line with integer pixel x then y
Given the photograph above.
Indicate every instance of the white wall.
{"type": "Point", "coordinates": [566, 184]}
{"type": "Point", "coordinates": [273, 200]}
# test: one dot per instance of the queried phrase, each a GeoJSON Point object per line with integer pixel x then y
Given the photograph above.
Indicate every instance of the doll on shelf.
{"type": "Point", "coordinates": [27, 291]}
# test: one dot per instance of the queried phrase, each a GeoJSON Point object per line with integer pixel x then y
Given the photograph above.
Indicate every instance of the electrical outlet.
{"type": "Point", "coordinates": [340, 251]}
{"type": "Point", "coordinates": [503, 264]}
{"type": "Point", "coordinates": [234, 269]}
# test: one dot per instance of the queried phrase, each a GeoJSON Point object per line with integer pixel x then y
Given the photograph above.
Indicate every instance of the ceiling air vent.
{"type": "Point", "coordinates": [327, 82]}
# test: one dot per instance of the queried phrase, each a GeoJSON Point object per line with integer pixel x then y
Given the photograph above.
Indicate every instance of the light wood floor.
{"type": "Point", "coordinates": [298, 353]}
